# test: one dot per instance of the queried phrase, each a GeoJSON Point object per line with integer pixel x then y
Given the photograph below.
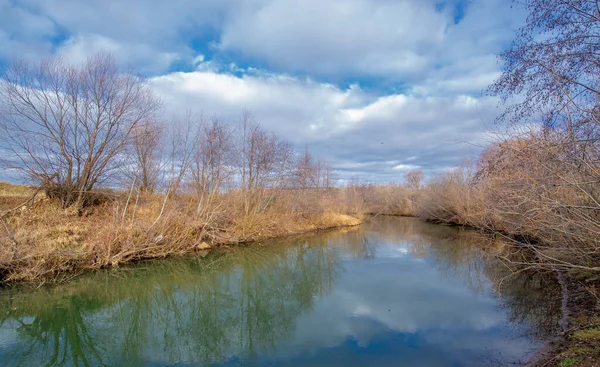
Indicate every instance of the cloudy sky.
{"type": "Point", "coordinates": [375, 87]}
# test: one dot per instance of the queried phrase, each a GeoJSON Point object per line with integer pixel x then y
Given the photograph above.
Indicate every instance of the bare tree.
{"type": "Point", "coordinates": [264, 159]}
{"type": "Point", "coordinates": [324, 174]}
{"type": "Point", "coordinates": [311, 172]}
{"type": "Point", "coordinates": [148, 164]}
{"type": "Point", "coordinates": [306, 174]}
{"type": "Point", "coordinates": [414, 179]}
{"type": "Point", "coordinates": [553, 63]}
{"type": "Point", "coordinates": [181, 147]}
{"type": "Point", "coordinates": [68, 124]}
{"type": "Point", "coordinates": [529, 189]}
{"type": "Point", "coordinates": [213, 159]}
{"type": "Point", "coordinates": [544, 185]}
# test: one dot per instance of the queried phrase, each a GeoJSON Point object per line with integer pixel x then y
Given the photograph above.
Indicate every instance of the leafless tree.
{"type": "Point", "coordinates": [529, 189]}
{"type": "Point", "coordinates": [264, 158]}
{"type": "Point", "coordinates": [414, 179]}
{"type": "Point", "coordinates": [181, 147]}
{"type": "Point", "coordinates": [312, 173]}
{"type": "Point", "coordinates": [213, 161]}
{"type": "Point", "coordinates": [148, 163]}
{"type": "Point", "coordinates": [325, 175]}
{"type": "Point", "coordinates": [306, 174]}
{"type": "Point", "coordinates": [67, 125]}
{"type": "Point", "coordinates": [544, 184]}
{"type": "Point", "coordinates": [553, 63]}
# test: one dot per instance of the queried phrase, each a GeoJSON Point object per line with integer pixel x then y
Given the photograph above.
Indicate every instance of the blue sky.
{"type": "Point", "coordinates": [376, 87]}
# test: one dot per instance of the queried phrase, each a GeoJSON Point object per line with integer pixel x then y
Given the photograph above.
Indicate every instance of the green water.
{"type": "Point", "coordinates": [394, 292]}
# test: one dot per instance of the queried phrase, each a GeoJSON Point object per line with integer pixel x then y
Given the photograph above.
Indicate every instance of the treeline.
{"type": "Point", "coordinates": [73, 128]}
{"type": "Point", "coordinates": [202, 156]}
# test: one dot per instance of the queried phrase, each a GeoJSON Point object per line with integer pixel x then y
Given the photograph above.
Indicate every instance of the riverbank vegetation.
{"type": "Point", "coordinates": [47, 242]}
{"type": "Point", "coordinates": [113, 181]}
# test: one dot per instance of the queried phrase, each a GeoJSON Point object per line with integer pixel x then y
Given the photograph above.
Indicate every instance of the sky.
{"type": "Point", "coordinates": [374, 87]}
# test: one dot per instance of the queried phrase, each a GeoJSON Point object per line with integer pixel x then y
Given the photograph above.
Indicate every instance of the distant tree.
{"type": "Point", "coordinates": [414, 179]}
{"type": "Point", "coordinates": [68, 125]}
{"type": "Point", "coordinates": [147, 166]}
{"type": "Point", "coordinates": [325, 175]}
{"type": "Point", "coordinates": [306, 172]}
{"type": "Point", "coordinates": [311, 172]}
{"type": "Point", "coordinates": [264, 159]}
{"type": "Point", "coordinates": [181, 143]}
{"type": "Point", "coordinates": [213, 157]}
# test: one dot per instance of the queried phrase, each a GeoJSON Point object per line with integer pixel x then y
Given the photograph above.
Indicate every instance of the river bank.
{"type": "Point", "coordinates": [578, 343]}
{"type": "Point", "coordinates": [44, 243]}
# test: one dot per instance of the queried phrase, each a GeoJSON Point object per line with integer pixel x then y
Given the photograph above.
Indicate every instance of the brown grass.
{"type": "Point", "coordinates": [9, 190]}
{"type": "Point", "coordinates": [54, 243]}
{"type": "Point", "coordinates": [12, 195]}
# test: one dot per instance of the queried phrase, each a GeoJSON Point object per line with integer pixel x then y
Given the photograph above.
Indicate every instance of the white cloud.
{"type": "Point", "coordinates": [405, 167]}
{"type": "Point", "coordinates": [148, 36]}
{"type": "Point", "coordinates": [158, 23]}
{"type": "Point", "coordinates": [23, 33]}
{"type": "Point", "coordinates": [371, 37]}
{"type": "Point", "coordinates": [415, 75]}
{"type": "Point", "coordinates": [359, 133]}
{"type": "Point", "coordinates": [407, 41]}
{"type": "Point", "coordinates": [78, 49]}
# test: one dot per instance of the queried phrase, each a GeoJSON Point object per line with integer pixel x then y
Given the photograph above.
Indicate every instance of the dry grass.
{"type": "Point", "coordinates": [338, 220]}
{"type": "Point", "coordinates": [591, 335]}
{"type": "Point", "coordinates": [51, 243]}
{"type": "Point", "coordinates": [12, 195]}
{"type": "Point", "coordinates": [9, 190]}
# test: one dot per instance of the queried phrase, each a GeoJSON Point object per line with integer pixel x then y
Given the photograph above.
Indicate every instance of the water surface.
{"type": "Point", "coordinates": [394, 292]}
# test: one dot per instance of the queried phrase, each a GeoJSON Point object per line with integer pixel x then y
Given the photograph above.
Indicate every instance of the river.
{"type": "Point", "coordinates": [393, 292]}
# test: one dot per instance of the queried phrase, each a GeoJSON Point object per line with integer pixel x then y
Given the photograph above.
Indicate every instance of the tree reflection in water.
{"type": "Point", "coordinates": [234, 304]}
{"type": "Point", "coordinates": [200, 310]}
{"type": "Point", "coordinates": [531, 299]}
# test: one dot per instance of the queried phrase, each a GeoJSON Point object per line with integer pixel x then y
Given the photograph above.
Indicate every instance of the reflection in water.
{"type": "Point", "coordinates": [396, 291]}
{"type": "Point", "coordinates": [532, 300]}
